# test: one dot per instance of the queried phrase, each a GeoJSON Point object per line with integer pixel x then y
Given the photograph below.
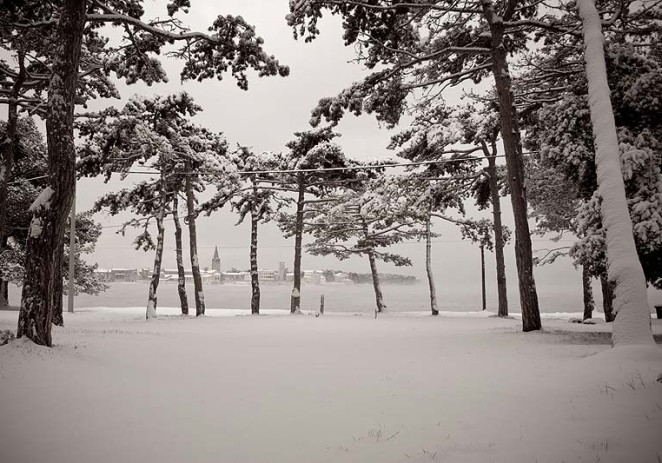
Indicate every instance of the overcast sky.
{"type": "Point", "coordinates": [265, 117]}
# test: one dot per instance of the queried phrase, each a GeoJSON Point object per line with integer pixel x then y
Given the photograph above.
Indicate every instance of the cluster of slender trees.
{"type": "Point", "coordinates": [62, 58]}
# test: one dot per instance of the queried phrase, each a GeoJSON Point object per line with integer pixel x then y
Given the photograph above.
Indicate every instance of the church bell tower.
{"type": "Point", "coordinates": [216, 261]}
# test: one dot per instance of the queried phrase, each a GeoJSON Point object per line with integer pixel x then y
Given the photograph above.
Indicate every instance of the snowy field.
{"type": "Point", "coordinates": [461, 387]}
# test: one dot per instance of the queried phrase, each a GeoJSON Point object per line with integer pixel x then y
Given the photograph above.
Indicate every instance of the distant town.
{"type": "Point", "coordinates": [215, 275]}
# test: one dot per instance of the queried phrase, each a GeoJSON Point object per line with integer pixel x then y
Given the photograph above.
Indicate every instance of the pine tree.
{"type": "Point", "coordinates": [455, 174]}
{"type": "Point", "coordinates": [232, 46]}
{"type": "Point", "coordinates": [428, 47]}
{"type": "Point", "coordinates": [155, 132]}
{"type": "Point", "coordinates": [308, 153]}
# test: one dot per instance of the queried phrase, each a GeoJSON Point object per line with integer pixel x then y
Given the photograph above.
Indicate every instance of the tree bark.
{"type": "Point", "coordinates": [181, 274]}
{"type": "Point", "coordinates": [58, 285]}
{"type": "Point", "coordinates": [632, 325]}
{"type": "Point", "coordinates": [607, 298]}
{"type": "Point", "coordinates": [49, 215]}
{"type": "Point", "coordinates": [589, 304]}
{"type": "Point", "coordinates": [255, 280]}
{"type": "Point", "coordinates": [71, 274]}
{"type": "Point", "coordinates": [428, 265]}
{"type": "Point", "coordinates": [4, 293]}
{"type": "Point", "coordinates": [482, 277]}
{"type": "Point", "coordinates": [295, 301]}
{"type": "Point", "coordinates": [502, 290]}
{"type": "Point", "coordinates": [379, 297]}
{"type": "Point", "coordinates": [158, 254]}
{"type": "Point", "coordinates": [7, 161]}
{"type": "Point", "coordinates": [512, 143]}
{"type": "Point", "coordinates": [193, 242]}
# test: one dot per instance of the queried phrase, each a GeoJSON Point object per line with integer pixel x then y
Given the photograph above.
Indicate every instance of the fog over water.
{"type": "Point", "coordinates": [265, 119]}
{"type": "Point", "coordinates": [338, 297]}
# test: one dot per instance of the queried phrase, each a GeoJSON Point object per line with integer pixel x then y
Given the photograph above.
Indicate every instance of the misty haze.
{"type": "Point", "coordinates": [330, 231]}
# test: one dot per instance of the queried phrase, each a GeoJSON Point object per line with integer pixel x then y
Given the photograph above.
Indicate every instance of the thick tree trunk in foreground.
{"type": "Point", "coordinates": [193, 242]}
{"type": "Point", "coordinates": [58, 285]}
{"type": "Point", "coordinates": [71, 277]}
{"type": "Point", "coordinates": [179, 257]}
{"type": "Point", "coordinates": [158, 254]}
{"type": "Point", "coordinates": [295, 301]}
{"type": "Point", "coordinates": [633, 319]}
{"type": "Point", "coordinates": [255, 280]}
{"type": "Point", "coordinates": [589, 304]}
{"type": "Point", "coordinates": [512, 143]}
{"type": "Point", "coordinates": [428, 266]}
{"type": "Point", "coordinates": [50, 211]}
{"type": "Point", "coordinates": [502, 290]}
{"type": "Point", "coordinates": [607, 298]}
{"type": "Point", "coordinates": [7, 160]}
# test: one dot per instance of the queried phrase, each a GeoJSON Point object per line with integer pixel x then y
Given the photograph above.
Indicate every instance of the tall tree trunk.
{"type": "Point", "coordinates": [7, 160]}
{"type": "Point", "coordinates": [4, 293]}
{"type": "Point", "coordinates": [589, 304]}
{"type": "Point", "coordinates": [512, 143]}
{"type": "Point", "coordinates": [295, 301]}
{"type": "Point", "coordinates": [50, 211]}
{"type": "Point", "coordinates": [255, 280]}
{"type": "Point", "coordinates": [482, 277]}
{"type": "Point", "coordinates": [633, 318]}
{"type": "Point", "coordinates": [193, 242]}
{"type": "Point", "coordinates": [181, 274]}
{"type": "Point", "coordinates": [58, 285]}
{"type": "Point", "coordinates": [607, 298]}
{"type": "Point", "coordinates": [428, 265]}
{"type": "Point", "coordinates": [158, 254]}
{"type": "Point", "coordinates": [379, 297]}
{"type": "Point", "coordinates": [502, 290]}
{"type": "Point", "coordinates": [71, 266]}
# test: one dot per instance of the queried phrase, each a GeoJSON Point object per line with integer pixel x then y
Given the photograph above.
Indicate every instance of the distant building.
{"type": "Point", "coordinates": [103, 275]}
{"type": "Point", "coordinates": [208, 276]}
{"type": "Point", "coordinates": [315, 277]}
{"type": "Point", "coordinates": [121, 274]}
{"type": "Point", "coordinates": [216, 260]}
{"type": "Point", "coordinates": [236, 276]}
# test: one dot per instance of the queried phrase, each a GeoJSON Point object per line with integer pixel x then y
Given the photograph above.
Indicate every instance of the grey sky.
{"type": "Point", "coordinates": [265, 118]}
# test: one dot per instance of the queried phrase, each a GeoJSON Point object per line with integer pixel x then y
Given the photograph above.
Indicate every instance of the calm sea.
{"type": "Point", "coordinates": [339, 298]}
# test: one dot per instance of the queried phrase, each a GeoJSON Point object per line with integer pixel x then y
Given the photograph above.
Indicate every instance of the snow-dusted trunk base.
{"type": "Point", "coordinates": [179, 257]}
{"type": "Point", "coordinates": [512, 143]}
{"type": "Point", "coordinates": [158, 253]}
{"type": "Point", "coordinates": [255, 280]}
{"type": "Point", "coordinates": [498, 231]}
{"type": "Point", "coordinates": [607, 298]}
{"type": "Point", "coordinates": [193, 242]}
{"type": "Point", "coordinates": [50, 211]}
{"type": "Point", "coordinates": [589, 304]}
{"type": "Point", "coordinates": [295, 300]}
{"type": "Point", "coordinates": [633, 321]}
{"type": "Point", "coordinates": [428, 267]}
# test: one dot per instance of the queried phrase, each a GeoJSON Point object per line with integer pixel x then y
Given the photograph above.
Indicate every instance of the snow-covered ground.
{"type": "Point", "coordinates": [338, 388]}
